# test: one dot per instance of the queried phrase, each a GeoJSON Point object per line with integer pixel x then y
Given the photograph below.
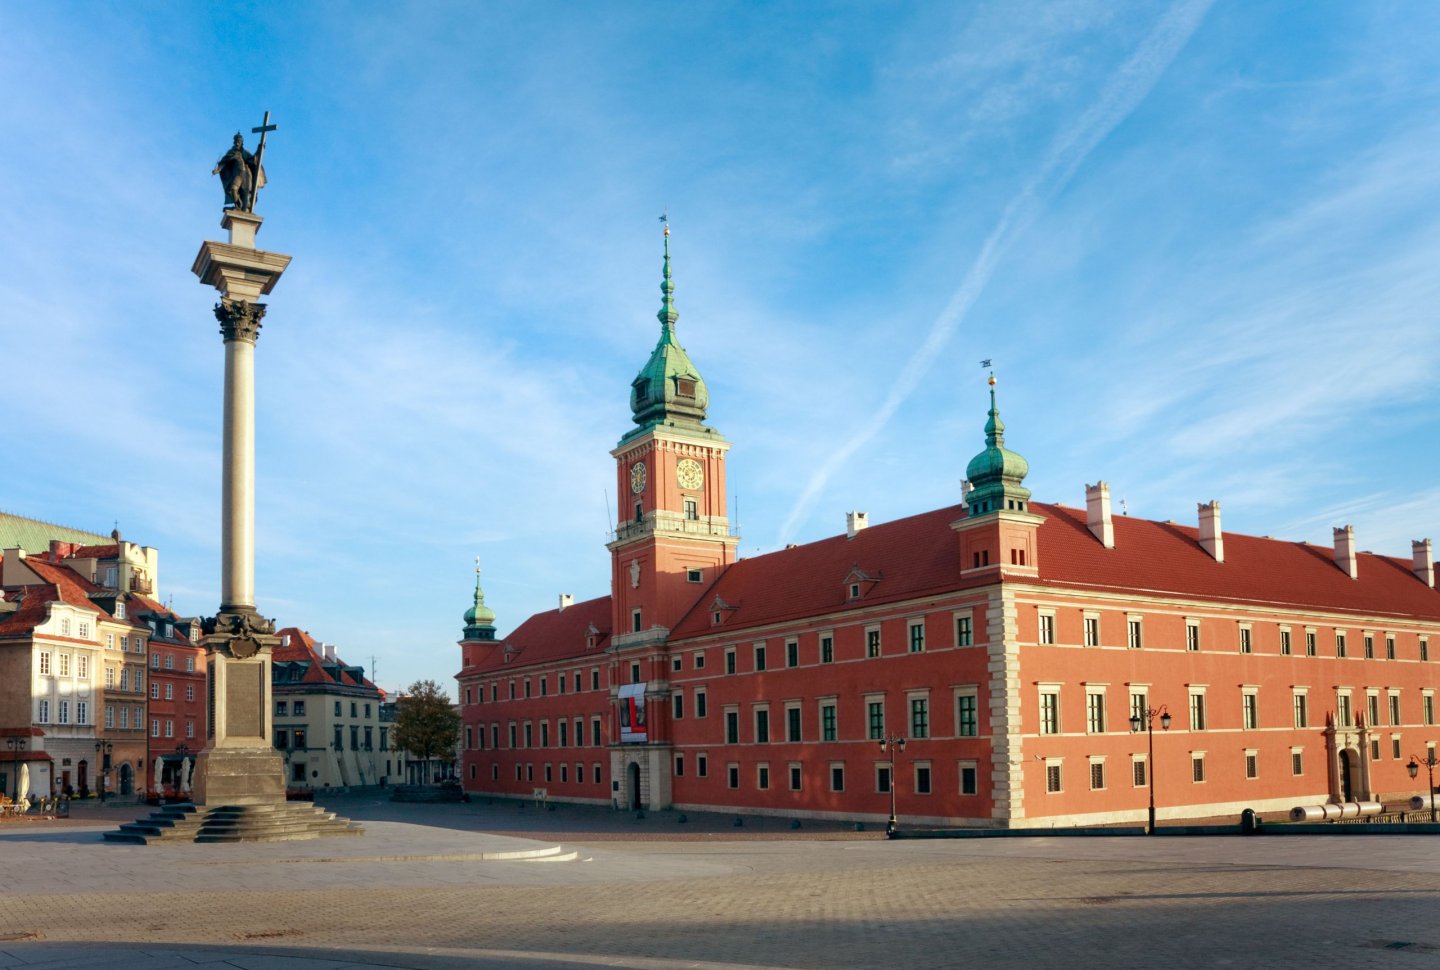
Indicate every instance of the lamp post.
{"type": "Point", "coordinates": [1147, 720]}
{"type": "Point", "coordinates": [16, 745]}
{"type": "Point", "coordinates": [898, 743]}
{"type": "Point", "coordinates": [103, 748]}
{"type": "Point", "coordinates": [1429, 761]}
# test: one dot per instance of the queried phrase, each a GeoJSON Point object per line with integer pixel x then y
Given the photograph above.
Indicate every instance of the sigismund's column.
{"type": "Point", "coordinates": [239, 765]}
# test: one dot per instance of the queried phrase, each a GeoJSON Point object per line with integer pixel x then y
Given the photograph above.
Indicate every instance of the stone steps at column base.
{"type": "Point", "coordinates": [235, 823]}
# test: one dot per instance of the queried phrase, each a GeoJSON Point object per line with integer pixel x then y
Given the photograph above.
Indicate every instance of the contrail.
{"type": "Point", "coordinates": [1124, 92]}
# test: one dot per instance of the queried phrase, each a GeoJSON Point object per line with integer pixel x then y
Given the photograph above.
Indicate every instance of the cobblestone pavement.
{"type": "Point", "coordinates": [424, 895]}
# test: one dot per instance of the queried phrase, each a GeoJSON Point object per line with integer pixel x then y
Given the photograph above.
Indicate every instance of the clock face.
{"type": "Point", "coordinates": [637, 477]}
{"type": "Point", "coordinates": [689, 474]}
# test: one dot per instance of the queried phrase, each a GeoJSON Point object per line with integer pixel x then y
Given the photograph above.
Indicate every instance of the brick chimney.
{"type": "Point", "coordinates": [1423, 561]}
{"type": "Point", "coordinates": [854, 522]}
{"type": "Point", "coordinates": [1345, 550]}
{"type": "Point", "coordinates": [1211, 538]}
{"type": "Point", "coordinates": [1097, 513]}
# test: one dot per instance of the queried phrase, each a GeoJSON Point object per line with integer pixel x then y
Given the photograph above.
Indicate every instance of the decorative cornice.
{"type": "Point", "coordinates": [239, 319]}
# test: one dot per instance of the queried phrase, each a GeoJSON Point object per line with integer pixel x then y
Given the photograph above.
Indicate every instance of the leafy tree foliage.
{"type": "Point", "coordinates": [425, 723]}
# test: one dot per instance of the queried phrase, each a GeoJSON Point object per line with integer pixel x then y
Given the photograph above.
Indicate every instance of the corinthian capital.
{"type": "Point", "coordinates": [239, 320]}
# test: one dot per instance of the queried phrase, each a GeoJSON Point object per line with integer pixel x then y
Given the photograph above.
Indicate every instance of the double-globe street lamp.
{"type": "Point", "coordinates": [898, 743]}
{"type": "Point", "coordinates": [103, 748]}
{"type": "Point", "coordinates": [1429, 761]}
{"type": "Point", "coordinates": [16, 745]}
{"type": "Point", "coordinates": [1146, 718]}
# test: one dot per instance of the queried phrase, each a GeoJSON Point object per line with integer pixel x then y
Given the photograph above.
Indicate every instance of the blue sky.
{"type": "Point", "coordinates": [1198, 241]}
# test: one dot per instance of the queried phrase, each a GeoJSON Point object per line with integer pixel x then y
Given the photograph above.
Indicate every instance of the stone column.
{"type": "Point", "coordinates": [239, 765]}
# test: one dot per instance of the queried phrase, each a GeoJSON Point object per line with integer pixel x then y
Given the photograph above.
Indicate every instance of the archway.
{"type": "Point", "coordinates": [1349, 772]}
{"type": "Point", "coordinates": [127, 779]}
{"type": "Point", "coordinates": [634, 775]}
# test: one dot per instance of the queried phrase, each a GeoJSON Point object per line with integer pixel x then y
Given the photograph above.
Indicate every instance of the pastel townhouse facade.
{"type": "Point", "coordinates": [1014, 646]}
{"type": "Point", "coordinates": [175, 724]}
{"type": "Point", "coordinates": [327, 717]}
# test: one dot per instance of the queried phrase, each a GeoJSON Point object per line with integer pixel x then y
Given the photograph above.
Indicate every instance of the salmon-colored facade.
{"type": "Point", "coordinates": [1008, 642]}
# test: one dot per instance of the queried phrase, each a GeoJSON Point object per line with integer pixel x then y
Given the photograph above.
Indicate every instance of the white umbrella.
{"type": "Point", "coordinates": [23, 792]}
{"type": "Point", "coordinates": [155, 779]}
{"type": "Point", "coordinates": [185, 775]}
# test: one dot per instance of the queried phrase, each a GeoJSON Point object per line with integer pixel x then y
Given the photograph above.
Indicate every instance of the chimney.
{"type": "Point", "coordinates": [854, 522]}
{"type": "Point", "coordinates": [1211, 538]}
{"type": "Point", "coordinates": [966, 487]}
{"type": "Point", "coordinates": [1424, 562]}
{"type": "Point", "coordinates": [566, 600]}
{"type": "Point", "coordinates": [329, 651]}
{"type": "Point", "coordinates": [1345, 550]}
{"type": "Point", "coordinates": [1097, 513]}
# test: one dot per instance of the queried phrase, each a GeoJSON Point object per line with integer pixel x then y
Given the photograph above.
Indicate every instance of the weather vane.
{"type": "Point", "coordinates": [665, 221]}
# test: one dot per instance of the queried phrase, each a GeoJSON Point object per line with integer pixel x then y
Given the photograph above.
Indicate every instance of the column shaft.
{"type": "Point", "coordinates": [237, 489]}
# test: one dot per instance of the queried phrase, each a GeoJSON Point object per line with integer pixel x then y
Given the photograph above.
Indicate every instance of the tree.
{"type": "Point", "coordinates": [425, 723]}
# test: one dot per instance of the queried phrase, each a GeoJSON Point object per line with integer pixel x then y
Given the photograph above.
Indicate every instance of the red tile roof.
{"type": "Point", "coordinates": [301, 649]}
{"type": "Point", "coordinates": [550, 636]}
{"type": "Point", "coordinates": [920, 555]}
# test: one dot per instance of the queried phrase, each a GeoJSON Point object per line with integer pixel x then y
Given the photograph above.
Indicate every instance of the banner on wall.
{"type": "Point", "coordinates": [632, 714]}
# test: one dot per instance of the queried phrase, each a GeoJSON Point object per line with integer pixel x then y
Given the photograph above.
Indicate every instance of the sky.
{"type": "Point", "coordinates": [1198, 241]}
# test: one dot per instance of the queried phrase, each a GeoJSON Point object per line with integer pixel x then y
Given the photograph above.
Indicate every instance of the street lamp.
{"type": "Point", "coordinates": [898, 743]}
{"type": "Point", "coordinates": [1147, 719]}
{"type": "Point", "coordinates": [103, 748]}
{"type": "Point", "coordinates": [16, 745]}
{"type": "Point", "coordinates": [1429, 761]}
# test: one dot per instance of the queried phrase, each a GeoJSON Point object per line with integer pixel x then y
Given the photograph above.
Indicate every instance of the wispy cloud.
{"type": "Point", "coordinates": [1129, 85]}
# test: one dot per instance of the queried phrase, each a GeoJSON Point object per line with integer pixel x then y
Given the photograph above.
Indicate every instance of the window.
{"type": "Point", "coordinates": [827, 649]}
{"type": "Point", "coordinates": [595, 733]}
{"type": "Point", "coordinates": [762, 725]}
{"type": "Point", "coordinates": [732, 727]}
{"type": "Point", "coordinates": [694, 576]}
{"type": "Point", "coordinates": [513, 729]}
{"type": "Point", "coordinates": [1297, 762]}
{"type": "Point", "coordinates": [44, 717]}
{"type": "Point", "coordinates": [544, 690]}
{"type": "Point", "coordinates": [1097, 776]}
{"type": "Point", "coordinates": [732, 776]}
{"type": "Point", "coordinates": [155, 661]}
{"type": "Point", "coordinates": [595, 678]}
{"type": "Point", "coordinates": [882, 779]}
{"type": "Point", "coordinates": [1192, 636]}
{"type": "Point", "coordinates": [917, 636]}
{"type": "Point", "coordinates": [1369, 646]}
{"type": "Point", "coordinates": [544, 734]}
{"type": "Point", "coordinates": [65, 626]}
{"type": "Point", "coordinates": [872, 642]}
{"type": "Point", "coordinates": [1136, 635]}
{"type": "Point", "coordinates": [730, 660]}
{"type": "Point", "coordinates": [190, 729]}
{"type": "Point", "coordinates": [1339, 643]}
{"type": "Point", "coordinates": [169, 661]}
{"type": "Point", "coordinates": [124, 714]}
{"type": "Point", "coordinates": [1138, 771]}
{"type": "Point", "coordinates": [109, 715]}
{"type": "Point", "coordinates": [124, 678]}
{"type": "Point", "coordinates": [124, 641]}
{"type": "Point", "coordinates": [1095, 712]}
{"type": "Point", "coordinates": [169, 692]}
{"type": "Point", "coordinates": [1250, 710]}
{"type": "Point", "coordinates": [1284, 642]}
{"type": "Point", "coordinates": [1424, 648]}
{"type": "Point", "coordinates": [792, 653]}
{"type": "Point", "coordinates": [701, 709]}
{"type": "Point", "coordinates": [1389, 648]}
{"type": "Point", "coordinates": [827, 721]}
{"type": "Point", "coordinates": [109, 677]}
{"type": "Point", "coordinates": [1252, 764]}
{"type": "Point", "coordinates": [1395, 709]}
{"type": "Point", "coordinates": [919, 717]}
{"type": "Point", "coordinates": [155, 727]}
{"type": "Point", "coordinates": [1050, 711]}
{"type": "Point", "coordinates": [964, 633]}
{"type": "Point", "coordinates": [762, 776]}
{"type": "Point", "coordinates": [1052, 777]}
{"type": "Point", "coordinates": [1245, 644]}
{"type": "Point", "coordinates": [1197, 711]}
{"type": "Point", "coordinates": [1372, 708]}
{"type": "Point", "coordinates": [154, 690]}
{"type": "Point", "coordinates": [967, 722]}
{"type": "Point", "coordinates": [1047, 627]}
{"type": "Point", "coordinates": [692, 514]}
{"type": "Point", "coordinates": [1197, 767]}
{"type": "Point", "coordinates": [1310, 648]}
{"type": "Point", "coordinates": [796, 776]}
{"type": "Point", "coordinates": [299, 706]}
{"type": "Point", "coordinates": [1394, 745]}
{"type": "Point", "coordinates": [635, 621]}
{"type": "Point", "coordinates": [337, 709]}
{"type": "Point", "coordinates": [64, 665]}
{"type": "Point", "coordinates": [837, 778]}
{"type": "Point", "coordinates": [969, 778]}
{"type": "Point", "coordinates": [82, 712]}
{"type": "Point", "coordinates": [922, 779]}
{"type": "Point", "coordinates": [1302, 718]}
{"type": "Point", "coordinates": [679, 767]}
{"type": "Point", "coordinates": [1092, 631]}
{"type": "Point", "coordinates": [792, 722]}
{"type": "Point", "coordinates": [1427, 707]}
{"type": "Point", "coordinates": [702, 766]}
{"type": "Point", "coordinates": [677, 705]}
{"type": "Point", "coordinates": [634, 674]}
{"type": "Point", "coordinates": [44, 661]}
{"type": "Point", "coordinates": [875, 712]}
{"type": "Point", "coordinates": [1375, 749]}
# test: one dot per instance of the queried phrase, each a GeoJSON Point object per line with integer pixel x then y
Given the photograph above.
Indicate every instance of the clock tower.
{"type": "Point", "coordinates": [673, 537]}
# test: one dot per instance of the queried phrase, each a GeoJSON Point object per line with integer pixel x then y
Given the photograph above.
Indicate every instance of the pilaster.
{"type": "Point", "coordinates": [1007, 752]}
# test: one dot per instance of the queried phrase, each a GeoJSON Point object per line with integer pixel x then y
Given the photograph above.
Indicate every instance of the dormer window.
{"type": "Point", "coordinates": [854, 591]}
{"type": "Point", "coordinates": [715, 618]}
{"type": "Point", "coordinates": [119, 609]}
{"type": "Point", "coordinates": [685, 386]}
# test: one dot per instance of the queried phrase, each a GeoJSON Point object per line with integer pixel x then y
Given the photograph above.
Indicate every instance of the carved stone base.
{"type": "Point", "coordinates": [240, 776]}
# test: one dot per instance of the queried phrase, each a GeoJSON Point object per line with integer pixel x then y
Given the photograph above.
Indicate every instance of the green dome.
{"type": "Point", "coordinates": [996, 473]}
{"type": "Point", "coordinates": [668, 389]}
{"type": "Point", "coordinates": [479, 619]}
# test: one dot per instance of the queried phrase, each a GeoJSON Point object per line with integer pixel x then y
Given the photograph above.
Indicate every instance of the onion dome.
{"type": "Point", "coordinates": [668, 389]}
{"type": "Point", "coordinates": [479, 619]}
{"type": "Point", "coordinates": [996, 473]}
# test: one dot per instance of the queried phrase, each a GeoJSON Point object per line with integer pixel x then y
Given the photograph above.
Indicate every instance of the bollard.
{"type": "Point", "coordinates": [1249, 822]}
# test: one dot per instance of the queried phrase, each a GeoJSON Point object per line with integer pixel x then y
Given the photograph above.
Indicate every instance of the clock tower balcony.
{"type": "Point", "coordinates": [661, 522]}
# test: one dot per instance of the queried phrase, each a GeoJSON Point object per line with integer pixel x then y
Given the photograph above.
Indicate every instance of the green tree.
{"type": "Point", "coordinates": [425, 723]}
